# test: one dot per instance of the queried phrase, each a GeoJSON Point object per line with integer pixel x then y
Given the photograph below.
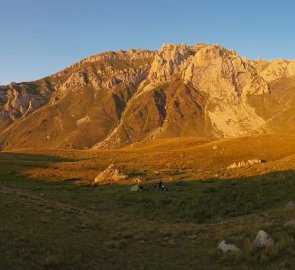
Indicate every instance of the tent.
{"type": "Point", "coordinates": [135, 188]}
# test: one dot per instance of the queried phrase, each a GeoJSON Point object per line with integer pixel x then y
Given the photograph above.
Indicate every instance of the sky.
{"type": "Point", "coordinates": [41, 37]}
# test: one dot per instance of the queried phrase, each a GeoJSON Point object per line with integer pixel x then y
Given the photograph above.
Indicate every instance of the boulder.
{"type": "Point", "coordinates": [263, 239]}
{"type": "Point", "coordinates": [110, 175]}
{"type": "Point", "coordinates": [226, 247]}
{"type": "Point", "coordinates": [215, 147]}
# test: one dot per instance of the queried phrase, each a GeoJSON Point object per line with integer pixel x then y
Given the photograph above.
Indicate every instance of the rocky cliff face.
{"type": "Point", "coordinates": [117, 98]}
{"type": "Point", "coordinates": [17, 100]}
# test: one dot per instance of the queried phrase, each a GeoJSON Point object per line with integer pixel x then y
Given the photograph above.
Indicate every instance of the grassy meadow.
{"type": "Point", "coordinates": [52, 217]}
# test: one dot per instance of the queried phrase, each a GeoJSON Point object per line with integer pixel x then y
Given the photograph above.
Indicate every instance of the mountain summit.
{"type": "Point", "coordinates": [114, 99]}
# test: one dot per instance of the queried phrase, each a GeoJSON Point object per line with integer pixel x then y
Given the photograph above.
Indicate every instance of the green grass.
{"type": "Point", "coordinates": [206, 201]}
{"type": "Point", "coordinates": [50, 225]}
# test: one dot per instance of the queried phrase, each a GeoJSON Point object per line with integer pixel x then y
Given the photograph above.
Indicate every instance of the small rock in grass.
{"type": "Point", "coordinates": [214, 147]}
{"type": "Point", "coordinates": [232, 166]}
{"type": "Point", "coordinates": [241, 164]}
{"type": "Point", "coordinates": [290, 205]}
{"type": "Point", "coordinates": [263, 239]}
{"type": "Point", "coordinates": [290, 224]}
{"type": "Point", "coordinates": [226, 247]}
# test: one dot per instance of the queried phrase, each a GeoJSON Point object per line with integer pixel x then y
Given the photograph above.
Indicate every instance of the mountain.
{"type": "Point", "coordinates": [114, 99]}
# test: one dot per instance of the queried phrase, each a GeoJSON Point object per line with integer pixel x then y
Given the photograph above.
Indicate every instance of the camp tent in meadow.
{"type": "Point", "coordinates": [135, 188]}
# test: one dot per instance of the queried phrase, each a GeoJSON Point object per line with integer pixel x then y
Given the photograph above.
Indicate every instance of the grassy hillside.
{"type": "Point", "coordinates": [165, 159]}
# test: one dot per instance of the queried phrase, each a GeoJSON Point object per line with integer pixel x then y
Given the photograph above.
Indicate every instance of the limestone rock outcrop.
{"type": "Point", "coordinates": [275, 69]}
{"type": "Point", "coordinates": [169, 61]}
{"type": "Point", "coordinates": [21, 99]}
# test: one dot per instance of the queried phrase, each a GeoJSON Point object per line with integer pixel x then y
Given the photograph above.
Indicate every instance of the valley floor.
{"type": "Point", "coordinates": [53, 218]}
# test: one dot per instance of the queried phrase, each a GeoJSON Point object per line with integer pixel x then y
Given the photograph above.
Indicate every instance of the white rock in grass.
{"type": "Point", "coordinates": [290, 205]}
{"type": "Point", "coordinates": [253, 161]}
{"type": "Point", "coordinates": [232, 166]}
{"type": "Point", "coordinates": [290, 224]}
{"type": "Point", "coordinates": [225, 247]}
{"type": "Point", "coordinates": [110, 175]}
{"type": "Point", "coordinates": [242, 164]}
{"type": "Point", "coordinates": [263, 239]}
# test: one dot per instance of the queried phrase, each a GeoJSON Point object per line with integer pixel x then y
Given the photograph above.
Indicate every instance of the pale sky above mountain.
{"type": "Point", "coordinates": [41, 37]}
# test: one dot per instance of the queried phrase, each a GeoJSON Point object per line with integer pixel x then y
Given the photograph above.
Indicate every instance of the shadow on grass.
{"type": "Point", "coordinates": [200, 201]}
{"type": "Point", "coordinates": [13, 165]}
{"type": "Point", "coordinates": [11, 156]}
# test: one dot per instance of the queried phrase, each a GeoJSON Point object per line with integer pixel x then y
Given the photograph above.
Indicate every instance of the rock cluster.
{"type": "Point", "coordinates": [262, 240]}
{"type": "Point", "coordinates": [241, 164]}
